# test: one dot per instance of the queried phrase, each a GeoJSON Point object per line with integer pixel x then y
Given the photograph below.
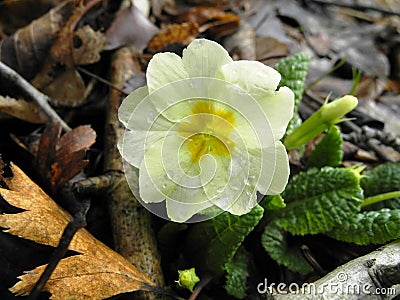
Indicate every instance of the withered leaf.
{"type": "Point", "coordinates": [174, 33]}
{"type": "Point", "coordinates": [96, 272]}
{"type": "Point", "coordinates": [87, 45]}
{"type": "Point", "coordinates": [130, 27]}
{"type": "Point", "coordinates": [69, 49]}
{"type": "Point", "coordinates": [60, 159]}
{"type": "Point", "coordinates": [21, 109]}
{"type": "Point", "coordinates": [202, 14]}
{"type": "Point", "coordinates": [17, 14]}
{"type": "Point", "coordinates": [213, 20]}
{"type": "Point", "coordinates": [26, 49]}
{"type": "Point", "coordinates": [67, 89]}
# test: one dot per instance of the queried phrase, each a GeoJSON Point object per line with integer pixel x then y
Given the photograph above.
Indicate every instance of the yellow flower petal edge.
{"type": "Point", "coordinates": [203, 136]}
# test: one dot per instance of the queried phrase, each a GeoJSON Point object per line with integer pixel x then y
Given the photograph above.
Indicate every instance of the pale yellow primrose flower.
{"type": "Point", "coordinates": [205, 132]}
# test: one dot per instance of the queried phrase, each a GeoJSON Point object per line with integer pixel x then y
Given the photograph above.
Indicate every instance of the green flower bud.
{"type": "Point", "coordinates": [188, 278]}
{"type": "Point", "coordinates": [328, 115]}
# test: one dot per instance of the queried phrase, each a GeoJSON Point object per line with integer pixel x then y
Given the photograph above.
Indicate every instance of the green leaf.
{"type": "Point", "coordinates": [274, 202]}
{"type": "Point", "coordinates": [237, 272]}
{"type": "Point", "coordinates": [320, 199]}
{"type": "Point", "coordinates": [275, 242]}
{"type": "Point", "coordinates": [369, 227]}
{"type": "Point", "coordinates": [293, 70]}
{"type": "Point", "coordinates": [328, 152]}
{"type": "Point", "coordinates": [382, 179]}
{"type": "Point", "coordinates": [211, 244]}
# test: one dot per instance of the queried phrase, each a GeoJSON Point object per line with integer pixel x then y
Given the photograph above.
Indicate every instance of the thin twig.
{"type": "Point", "coordinates": [311, 260]}
{"type": "Point", "coordinates": [110, 84]}
{"type": "Point", "coordinates": [78, 222]}
{"type": "Point", "coordinates": [206, 280]}
{"type": "Point", "coordinates": [35, 95]}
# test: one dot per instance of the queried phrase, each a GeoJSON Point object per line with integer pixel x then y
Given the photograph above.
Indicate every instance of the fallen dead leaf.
{"type": "Point", "coordinates": [212, 20]}
{"type": "Point", "coordinates": [70, 48]}
{"type": "Point", "coordinates": [174, 33]}
{"type": "Point", "coordinates": [21, 109]}
{"type": "Point", "coordinates": [27, 48]}
{"type": "Point", "coordinates": [96, 272]}
{"type": "Point", "coordinates": [130, 27]}
{"type": "Point", "coordinates": [87, 45]}
{"type": "Point", "coordinates": [61, 158]}
{"type": "Point", "coordinates": [16, 14]}
{"type": "Point", "coordinates": [242, 44]}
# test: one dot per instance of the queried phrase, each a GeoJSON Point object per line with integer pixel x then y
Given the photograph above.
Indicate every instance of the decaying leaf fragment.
{"type": "Point", "coordinates": [21, 109]}
{"type": "Point", "coordinates": [182, 33]}
{"type": "Point", "coordinates": [26, 49]}
{"type": "Point", "coordinates": [61, 158]}
{"type": "Point", "coordinates": [70, 48]}
{"type": "Point", "coordinates": [212, 20]}
{"type": "Point", "coordinates": [96, 272]}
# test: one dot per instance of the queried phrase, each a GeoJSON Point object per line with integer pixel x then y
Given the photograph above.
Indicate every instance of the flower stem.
{"type": "Point", "coordinates": [380, 197]}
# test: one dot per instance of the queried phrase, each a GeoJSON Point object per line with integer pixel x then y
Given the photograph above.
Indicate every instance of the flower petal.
{"type": "Point", "coordinates": [181, 212]}
{"type": "Point", "coordinates": [278, 107]}
{"type": "Point", "coordinates": [253, 76]}
{"type": "Point", "coordinates": [282, 170]}
{"type": "Point", "coordinates": [203, 58]}
{"type": "Point", "coordinates": [133, 143]}
{"type": "Point", "coordinates": [130, 103]}
{"type": "Point", "coordinates": [275, 170]}
{"type": "Point", "coordinates": [159, 180]}
{"type": "Point", "coordinates": [245, 203]}
{"type": "Point", "coordinates": [164, 68]}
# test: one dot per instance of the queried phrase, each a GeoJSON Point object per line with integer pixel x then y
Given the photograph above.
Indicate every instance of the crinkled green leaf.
{"type": "Point", "coordinates": [328, 152]}
{"type": "Point", "coordinates": [382, 179]}
{"type": "Point", "coordinates": [211, 244]}
{"type": "Point", "coordinates": [275, 242]}
{"type": "Point", "coordinates": [369, 227]}
{"type": "Point", "coordinates": [320, 199]}
{"type": "Point", "coordinates": [237, 272]}
{"type": "Point", "coordinates": [273, 202]}
{"type": "Point", "coordinates": [293, 70]}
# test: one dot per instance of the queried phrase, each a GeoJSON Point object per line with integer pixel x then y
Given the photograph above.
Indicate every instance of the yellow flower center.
{"type": "Point", "coordinates": [207, 130]}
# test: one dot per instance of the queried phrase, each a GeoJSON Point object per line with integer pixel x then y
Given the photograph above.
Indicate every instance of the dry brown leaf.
{"type": "Point", "coordinates": [174, 33]}
{"type": "Point", "coordinates": [17, 14]}
{"type": "Point", "coordinates": [87, 45]}
{"type": "Point", "coordinates": [21, 109]}
{"type": "Point", "coordinates": [221, 3]}
{"type": "Point", "coordinates": [212, 20]}
{"type": "Point", "coordinates": [202, 14]}
{"type": "Point", "coordinates": [26, 49]}
{"type": "Point", "coordinates": [67, 89]}
{"type": "Point", "coordinates": [60, 159]}
{"type": "Point", "coordinates": [96, 272]}
{"type": "Point", "coordinates": [69, 49]}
